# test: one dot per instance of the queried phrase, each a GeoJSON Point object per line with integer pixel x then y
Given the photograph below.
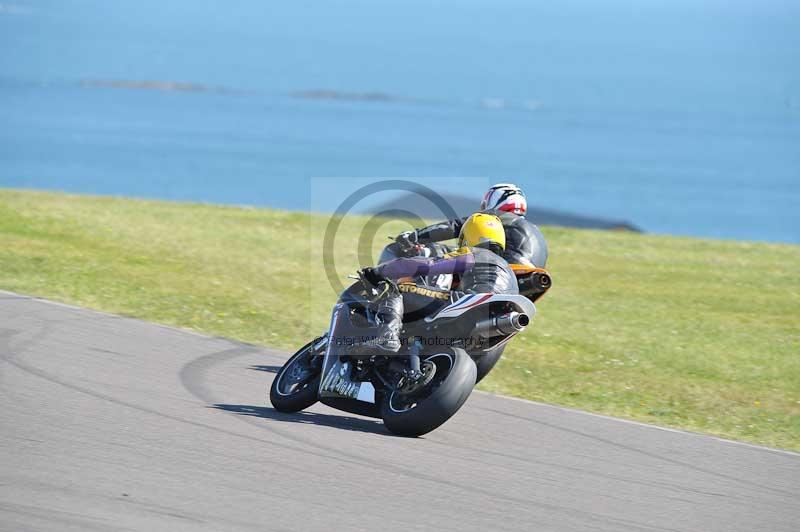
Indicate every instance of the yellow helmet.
{"type": "Point", "coordinates": [482, 230]}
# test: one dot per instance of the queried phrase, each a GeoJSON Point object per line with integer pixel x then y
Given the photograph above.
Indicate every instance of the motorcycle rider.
{"type": "Point", "coordinates": [478, 262]}
{"type": "Point", "coordinates": [525, 243]}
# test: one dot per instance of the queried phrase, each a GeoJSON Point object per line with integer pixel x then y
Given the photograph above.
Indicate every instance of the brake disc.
{"type": "Point", "coordinates": [411, 386]}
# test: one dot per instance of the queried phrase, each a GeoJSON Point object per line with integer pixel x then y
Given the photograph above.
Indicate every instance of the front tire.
{"type": "Point", "coordinates": [296, 385]}
{"type": "Point", "coordinates": [451, 385]}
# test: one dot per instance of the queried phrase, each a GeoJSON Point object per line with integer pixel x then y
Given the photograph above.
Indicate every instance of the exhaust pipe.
{"type": "Point", "coordinates": [504, 325]}
{"type": "Point", "coordinates": [536, 283]}
{"type": "Point", "coordinates": [544, 280]}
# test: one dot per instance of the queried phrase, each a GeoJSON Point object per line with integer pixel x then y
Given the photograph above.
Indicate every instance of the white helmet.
{"type": "Point", "coordinates": [505, 197]}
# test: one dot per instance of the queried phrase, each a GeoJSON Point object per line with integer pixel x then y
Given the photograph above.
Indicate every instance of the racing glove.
{"type": "Point", "coordinates": [407, 240]}
{"type": "Point", "coordinates": [373, 276]}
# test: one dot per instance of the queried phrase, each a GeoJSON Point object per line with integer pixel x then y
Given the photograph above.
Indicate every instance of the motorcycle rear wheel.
{"type": "Point", "coordinates": [485, 362]}
{"type": "Point", "coordinates": [292, 390]}
{"type": "Point", "coordinates": [417, 415]}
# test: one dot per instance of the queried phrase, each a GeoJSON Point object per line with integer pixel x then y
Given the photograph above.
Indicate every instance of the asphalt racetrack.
{"type": "Point", "coordinates": [110, 423]}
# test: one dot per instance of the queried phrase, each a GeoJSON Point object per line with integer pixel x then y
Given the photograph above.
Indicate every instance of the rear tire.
{"type": "Point", "coordinates": [287, 394]}
{"type": "Point", "coordinates": [485, 362]}
{"type": "Point", "coordinates": [432, 410]}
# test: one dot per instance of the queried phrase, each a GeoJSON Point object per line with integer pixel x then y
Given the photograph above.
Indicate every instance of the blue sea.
{"type": "Point", "coordinates": [682, 117]}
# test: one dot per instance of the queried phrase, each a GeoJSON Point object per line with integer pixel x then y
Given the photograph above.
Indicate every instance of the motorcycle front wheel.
{"type": "Point", "coordinates": [296, 385]}
{"type": "Point", "coordinates": [419, 413]}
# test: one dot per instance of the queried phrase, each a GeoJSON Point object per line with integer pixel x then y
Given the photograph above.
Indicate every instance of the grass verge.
{"type": "Point", "coordinates": [697, 334]}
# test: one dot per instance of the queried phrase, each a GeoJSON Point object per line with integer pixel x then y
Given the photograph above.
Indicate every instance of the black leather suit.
{"type": "Point", "coordinates": [525, 243]}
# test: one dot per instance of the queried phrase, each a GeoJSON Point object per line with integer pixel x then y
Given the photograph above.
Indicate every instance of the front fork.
{"type": "Point", "coordinates": [414, 350]}
{"type": "Point", "coordinates": [318, 352]}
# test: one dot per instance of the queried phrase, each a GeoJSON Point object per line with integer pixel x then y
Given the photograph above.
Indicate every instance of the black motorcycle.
{"type": "Point", "coordinates": [417, 389]}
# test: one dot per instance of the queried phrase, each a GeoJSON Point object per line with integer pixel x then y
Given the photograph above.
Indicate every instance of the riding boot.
{"type": "Point", "coordinates": [390, 316]}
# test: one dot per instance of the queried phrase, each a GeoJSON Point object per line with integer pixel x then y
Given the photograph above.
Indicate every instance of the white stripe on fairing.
{"type": "Point", "coordinates": [458, 303]}
{"type": "Point", "coordinates": [476, 303]}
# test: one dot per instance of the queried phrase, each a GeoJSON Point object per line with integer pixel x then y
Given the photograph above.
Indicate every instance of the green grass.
{"type": "Point", "coordinates": [698, 334]}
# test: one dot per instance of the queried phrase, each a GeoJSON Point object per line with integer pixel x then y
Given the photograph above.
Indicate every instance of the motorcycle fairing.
{"type": "Point", "coordinates": [472, 301]}
{"type": "Point", "coordinates": [335, 381]}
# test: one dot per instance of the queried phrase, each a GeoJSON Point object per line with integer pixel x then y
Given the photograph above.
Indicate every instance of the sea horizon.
{"type": "Point", "coordinates": [678, 118]}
